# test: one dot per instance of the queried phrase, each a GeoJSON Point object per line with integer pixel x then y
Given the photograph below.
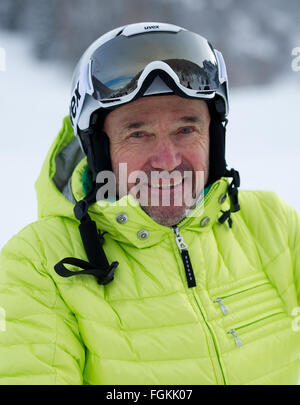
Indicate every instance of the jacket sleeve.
{"type": "Point", "coordinates": [39, 338]}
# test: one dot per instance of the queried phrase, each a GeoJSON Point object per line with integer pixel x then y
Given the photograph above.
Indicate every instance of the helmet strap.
{"type": "Point", "coordinates": [92, 240]}
{"type": "Point", "coordinates": [217, 131]}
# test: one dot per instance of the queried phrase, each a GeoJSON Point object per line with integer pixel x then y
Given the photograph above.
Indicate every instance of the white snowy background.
{"type": "Point", "coordinates": [263, 140]}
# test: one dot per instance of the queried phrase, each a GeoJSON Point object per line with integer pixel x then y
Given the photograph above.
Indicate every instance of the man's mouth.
{"type": "Point", "coordinates": [165, 186]}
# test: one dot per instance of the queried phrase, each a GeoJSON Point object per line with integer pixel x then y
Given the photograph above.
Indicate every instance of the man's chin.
{"type": "Point", "coordinates": [167, 216]}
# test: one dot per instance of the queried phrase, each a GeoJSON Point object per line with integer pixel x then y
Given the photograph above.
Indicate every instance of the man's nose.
{"type": "Point", "coordinates": [165, 155]}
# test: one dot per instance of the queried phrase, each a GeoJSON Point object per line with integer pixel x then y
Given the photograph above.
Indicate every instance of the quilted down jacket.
{"type": "Point", "coordinates": [236, 326]}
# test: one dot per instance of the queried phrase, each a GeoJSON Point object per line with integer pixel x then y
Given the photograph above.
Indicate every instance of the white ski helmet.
{"type": "Point", "coordinates": [140, 60]}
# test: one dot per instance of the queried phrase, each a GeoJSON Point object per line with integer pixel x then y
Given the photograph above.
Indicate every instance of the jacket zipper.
{"type": "Point", "coordinates": [237, 339]}
{"type": "Point", "coordinates": [182, 246]}
{"type": "Point", "coordinates": [224, 307]}
{"type": "Point", "coordinates": [233, 331]}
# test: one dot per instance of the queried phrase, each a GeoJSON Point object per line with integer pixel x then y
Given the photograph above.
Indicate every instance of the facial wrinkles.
{"type": "Point", "coordinates": [162, 149]}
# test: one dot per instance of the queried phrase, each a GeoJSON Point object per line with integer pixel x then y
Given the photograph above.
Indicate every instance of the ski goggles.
{"type": "Point", "coordinates": [118, 69]}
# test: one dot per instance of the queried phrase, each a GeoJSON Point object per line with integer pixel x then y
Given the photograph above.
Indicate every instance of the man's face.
{"type": "Point", "coordinates": [161, 134]}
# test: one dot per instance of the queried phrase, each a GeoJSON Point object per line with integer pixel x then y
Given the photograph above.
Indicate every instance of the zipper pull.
{"type": "Point", "coordinates": [182, 246]}
{"type": "Point", "coordinates": [179, 239]}
{"type": "Point", "coordinates": [223, 307]}
{"type": "Point", "coordinates": [238, 341]}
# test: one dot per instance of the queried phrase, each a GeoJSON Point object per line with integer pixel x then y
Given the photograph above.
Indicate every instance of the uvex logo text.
{"type": "Point", "coordinates": [151, 27]}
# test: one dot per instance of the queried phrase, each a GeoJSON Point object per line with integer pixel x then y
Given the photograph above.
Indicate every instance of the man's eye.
{"type": "Point", "coordinates": [137, 135]}
{"type": "Point", "coordinates": [186, 130]}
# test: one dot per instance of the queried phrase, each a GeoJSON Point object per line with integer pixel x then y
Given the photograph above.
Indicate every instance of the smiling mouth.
{"type": "Point", "coordinates": [161, 186]}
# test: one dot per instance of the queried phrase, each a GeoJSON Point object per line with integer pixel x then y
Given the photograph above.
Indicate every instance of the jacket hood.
{"type": "Point", "coordinates": [53, 186]}
{"type": "Point", "coordinates": [60, 185]}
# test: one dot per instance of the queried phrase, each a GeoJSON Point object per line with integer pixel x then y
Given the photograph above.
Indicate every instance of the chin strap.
{"type": "Point", "coordinates": [233, 195]}
{"type": "Point", "coordinates": [92, 240]}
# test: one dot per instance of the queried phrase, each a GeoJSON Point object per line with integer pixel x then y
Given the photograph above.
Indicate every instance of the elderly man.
{"type": "Point", "coordinates": [173, 276]}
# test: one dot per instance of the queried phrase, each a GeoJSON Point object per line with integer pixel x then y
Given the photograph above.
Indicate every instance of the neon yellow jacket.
{"type": "Point", "coordinates": [237, 326]}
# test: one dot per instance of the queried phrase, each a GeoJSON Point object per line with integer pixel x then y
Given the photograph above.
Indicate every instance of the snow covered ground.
{"type": "Point", "coordinates": [263, 140]}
